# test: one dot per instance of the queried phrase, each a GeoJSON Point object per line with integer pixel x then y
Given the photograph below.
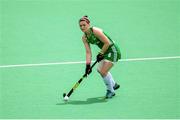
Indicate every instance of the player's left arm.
{"type": "Point", "coordinates": [99, 34]}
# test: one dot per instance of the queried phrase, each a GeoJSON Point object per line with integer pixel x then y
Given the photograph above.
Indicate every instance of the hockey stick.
{"type": "Point", "coordinates": [66, 96]}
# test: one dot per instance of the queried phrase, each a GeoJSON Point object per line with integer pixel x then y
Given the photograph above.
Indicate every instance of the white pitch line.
{"type": "Point", "coordinates": [153, 58]}
{"type": "Point", "coordinates": [40, 64]}
{"type": "Point", "coordinates": [80, 62]}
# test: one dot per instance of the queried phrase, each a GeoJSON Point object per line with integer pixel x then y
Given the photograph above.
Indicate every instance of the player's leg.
{"type": "Point", "coordinates": [103, 69]}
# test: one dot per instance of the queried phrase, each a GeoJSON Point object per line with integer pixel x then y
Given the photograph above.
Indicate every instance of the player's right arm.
{"type": "Point", "coordinates": [88, 50]}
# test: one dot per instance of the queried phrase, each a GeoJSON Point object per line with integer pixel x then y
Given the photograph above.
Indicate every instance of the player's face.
{"type": "Point", "coordinates": [84, 26]}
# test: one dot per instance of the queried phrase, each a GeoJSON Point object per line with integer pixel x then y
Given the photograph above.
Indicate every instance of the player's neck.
{"type": "Point", "coordinates": [88, 32]}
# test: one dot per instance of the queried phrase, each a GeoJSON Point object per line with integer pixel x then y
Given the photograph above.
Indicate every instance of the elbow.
{"type": "Point", "coordinates": [108, 44]}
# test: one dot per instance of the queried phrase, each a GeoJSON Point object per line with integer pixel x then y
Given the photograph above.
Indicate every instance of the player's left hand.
{"type": "Point", "coordinates": [100, 57]}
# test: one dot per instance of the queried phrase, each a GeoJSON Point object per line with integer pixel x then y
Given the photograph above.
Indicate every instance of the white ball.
{"type": "Point", "coordinates": [66, 98]}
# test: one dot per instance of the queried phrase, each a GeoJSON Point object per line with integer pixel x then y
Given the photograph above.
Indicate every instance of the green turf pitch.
{"type": "Point", "coordinates": [47, 31]}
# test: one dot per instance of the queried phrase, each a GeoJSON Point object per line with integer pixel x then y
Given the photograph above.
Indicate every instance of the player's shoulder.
{"type": "Point", "coordinates": [96, 29]}
{"type": "Point", "coordinates": [84, 38]}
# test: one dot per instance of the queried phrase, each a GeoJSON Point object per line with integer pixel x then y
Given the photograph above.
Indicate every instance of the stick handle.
{"type": "Point", "coordinates": [94, 64]}
{"type": "Point", "coordinates": [79, 81]}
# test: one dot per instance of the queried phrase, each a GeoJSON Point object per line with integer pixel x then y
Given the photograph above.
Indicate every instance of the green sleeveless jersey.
{"type": "Point", "coordinates": [113, 48]}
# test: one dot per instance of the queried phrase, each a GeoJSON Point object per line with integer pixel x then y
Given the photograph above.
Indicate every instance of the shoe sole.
{"type": "Point", "coordinates": [111, 96]}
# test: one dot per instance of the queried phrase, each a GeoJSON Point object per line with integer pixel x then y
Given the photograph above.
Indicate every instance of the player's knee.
{"type": "Point", "coordinates": [99, 71]}
{"type": "Point", "coordinates": [102, 72]}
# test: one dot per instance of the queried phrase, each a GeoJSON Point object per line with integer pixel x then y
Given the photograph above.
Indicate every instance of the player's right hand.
{"type": "Point", "coordinates": [88, 69]}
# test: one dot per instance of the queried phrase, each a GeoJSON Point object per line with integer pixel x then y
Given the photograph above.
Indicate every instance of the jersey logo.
{"type": "Point", "coordinates": [97, 42]}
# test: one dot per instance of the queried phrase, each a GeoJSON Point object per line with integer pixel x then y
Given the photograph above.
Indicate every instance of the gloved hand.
{"type": "Point", "coordinates": [88, 69]}
{"type": "Point", "coordinates": [100, 57]}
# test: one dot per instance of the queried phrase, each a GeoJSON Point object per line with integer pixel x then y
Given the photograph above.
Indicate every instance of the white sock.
{"type": "Point", "coordinates": [108, 80]}
{"type": "Point", "coordinates": [113, 82]}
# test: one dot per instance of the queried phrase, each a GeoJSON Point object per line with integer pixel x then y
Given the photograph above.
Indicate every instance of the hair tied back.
{"type": "Point", "coordinates": [85, 18]}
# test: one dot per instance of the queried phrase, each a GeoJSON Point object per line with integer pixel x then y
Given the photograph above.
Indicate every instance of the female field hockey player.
{"type": "Point", "coordinates": [108, 55]}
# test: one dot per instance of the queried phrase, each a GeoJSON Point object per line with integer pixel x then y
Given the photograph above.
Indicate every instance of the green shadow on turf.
{"type": "Point", "coordinates": [88, 101]}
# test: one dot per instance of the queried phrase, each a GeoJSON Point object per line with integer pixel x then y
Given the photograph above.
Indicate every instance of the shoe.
{"type": "Point", "coordinates": [109, 94]}
{"type": "Point", "coordinates": [116, 86]}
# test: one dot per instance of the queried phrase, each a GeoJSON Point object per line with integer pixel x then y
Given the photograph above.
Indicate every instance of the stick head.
{"type": "Point", "coordinates": [66, 98]}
